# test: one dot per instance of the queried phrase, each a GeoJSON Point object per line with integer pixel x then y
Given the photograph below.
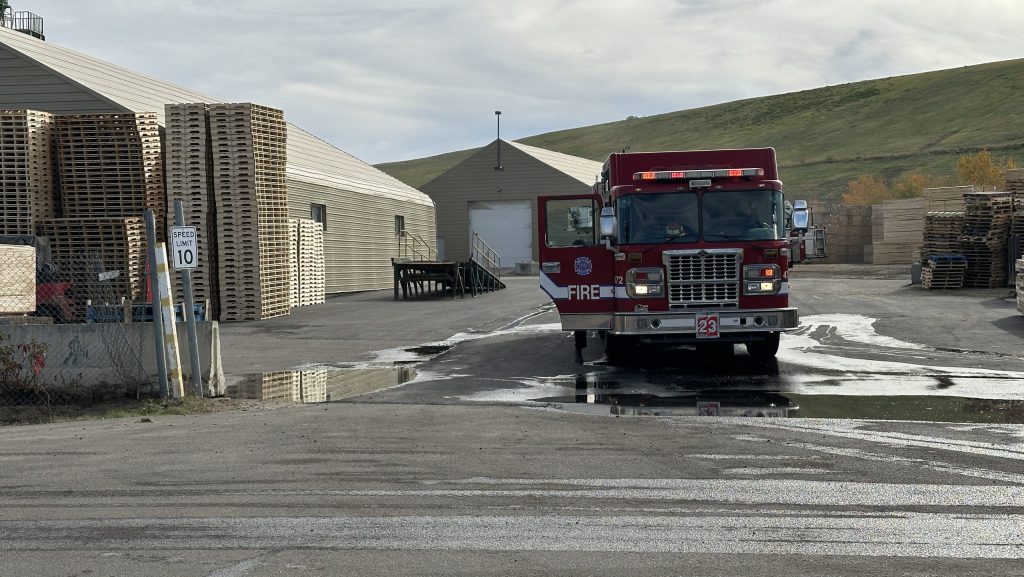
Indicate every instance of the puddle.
{"type": "Point", "coordinates": [319, 385]}
{"type": "Point", "coordinates": [428, 350]}
{"type": "Point", "coordinates": [779, 404]}
{"type": "Point", "coordinates": [704, 404]}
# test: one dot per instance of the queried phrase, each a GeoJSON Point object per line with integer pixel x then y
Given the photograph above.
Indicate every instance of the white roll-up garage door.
{"type": "Point", "coordinates": [507, 226]}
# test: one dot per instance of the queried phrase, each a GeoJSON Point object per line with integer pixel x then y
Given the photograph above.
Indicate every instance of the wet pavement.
{"type": "Point", "coordinates": [870, 346]}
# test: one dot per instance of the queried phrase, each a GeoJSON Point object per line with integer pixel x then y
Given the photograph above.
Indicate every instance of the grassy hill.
{"type": "Point", "coordinates": [824, 137]}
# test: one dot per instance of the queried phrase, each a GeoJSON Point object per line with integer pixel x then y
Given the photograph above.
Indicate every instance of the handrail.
{"type": "Point", "coordinates": [405, 249]}
{"type": "Point", "coordinates": [482, 254]}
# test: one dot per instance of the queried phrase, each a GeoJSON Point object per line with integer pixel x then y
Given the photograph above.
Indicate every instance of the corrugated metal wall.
{"type": "Point", "coordinates": [522, 177]}
{"type": "Point", "coordinates": [360, 239]}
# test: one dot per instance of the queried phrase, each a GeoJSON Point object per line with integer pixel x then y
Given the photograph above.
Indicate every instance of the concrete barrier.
{"type": "Point", "coordinates": [115, 354]}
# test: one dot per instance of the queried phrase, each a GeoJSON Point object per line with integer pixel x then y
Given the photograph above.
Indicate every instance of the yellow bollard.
{"type": "Point", "coordinates": [176, 387]}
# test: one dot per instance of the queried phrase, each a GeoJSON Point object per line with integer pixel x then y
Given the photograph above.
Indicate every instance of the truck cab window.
{"type": "Point", "coordinates": [658, 218]}
{"type": "Point", "coordinates": [571, 223]}
{"type": "Point", "coordinates": [743, 215]}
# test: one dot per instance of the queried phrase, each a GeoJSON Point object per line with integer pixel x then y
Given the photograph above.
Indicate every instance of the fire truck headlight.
{"type": "Point", "coordinates": [645, 283]}
{"type": "Point", "coordinates": [761, 279]}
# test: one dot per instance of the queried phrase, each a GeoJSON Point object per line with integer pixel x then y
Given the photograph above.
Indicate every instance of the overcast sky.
{"type": "Point", "coordinates": [406, 79]}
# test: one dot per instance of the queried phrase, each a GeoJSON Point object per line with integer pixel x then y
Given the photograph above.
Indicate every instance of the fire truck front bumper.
{"type": "Point", "coordinates": [683, 325]}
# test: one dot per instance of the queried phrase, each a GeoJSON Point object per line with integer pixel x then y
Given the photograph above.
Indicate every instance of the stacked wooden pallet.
{"type": "Point", "coordinates": [946, 198]}
{"type": "Point", "coordinates": [312, 279]}
{"type": "Point", "coordinates": [117, 245]}
{"type": "Point", "coordinates": [1020, 284]}
{"type": "Point", "coordinates": [248, 152]}
{"type": "Point", "coordinates": [17, 279]}
{"type": "Point", "coordinates": [942, 233]}
{"type": "Point", "coordinates": [897, 231]}
{"type": "Point", "coordinates": [307, 276]}
{"type": "Point", "coordinates": [1015, 185]}
{"type": "Point", "coordinates": [294, 267]}
{"type": "Point", "coordinates": [26, 170]}
{"type": "Point", "coordinates": [986, 229]}
{"type": "Point", "coordinates": [944, 271]}
{"type": "Point", "coordinates": [190, 180]}
{"type": "Point", "coordinates": [110, 165]}
{"type": "Point", "coordinates": [848, 231]}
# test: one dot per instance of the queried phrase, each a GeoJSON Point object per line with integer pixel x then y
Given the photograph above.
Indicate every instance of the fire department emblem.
{"type": "Point", "coordinates": [583, 266]}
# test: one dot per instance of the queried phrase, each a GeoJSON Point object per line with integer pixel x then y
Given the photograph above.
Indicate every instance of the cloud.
{"type": "Point", "coordinates": [410, 78]}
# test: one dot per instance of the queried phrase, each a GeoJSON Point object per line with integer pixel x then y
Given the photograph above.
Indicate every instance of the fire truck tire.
{"type": "Point", "coordinates": [617, 347]}
{"type": "Point", "coordinates": [765, 349]}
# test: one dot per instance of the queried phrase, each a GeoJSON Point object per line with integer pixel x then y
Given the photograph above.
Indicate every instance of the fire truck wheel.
{"type": "Point", "coordinates": [765, 349]}
{"type": "Point", "coordinates": [616, 347]}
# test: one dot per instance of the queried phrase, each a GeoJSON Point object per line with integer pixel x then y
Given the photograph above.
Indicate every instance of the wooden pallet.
{"type": "Point", "coordinates": [26, 170]}
{"type": "Point", "coordinates": [252, 209]}
{"type": "Point", "coordinates": [110, 165]}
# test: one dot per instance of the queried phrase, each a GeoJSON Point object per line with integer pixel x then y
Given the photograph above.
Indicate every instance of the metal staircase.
{"type": "Point", "coordinates": [418, 272]}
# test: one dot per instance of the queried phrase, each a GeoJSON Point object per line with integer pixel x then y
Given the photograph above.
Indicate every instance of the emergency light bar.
{"type": "Point", "coordinates": [673, 175]}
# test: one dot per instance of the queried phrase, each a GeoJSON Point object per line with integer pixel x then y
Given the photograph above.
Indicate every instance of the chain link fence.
{"type": "Point", "coordinates": [66, 335]}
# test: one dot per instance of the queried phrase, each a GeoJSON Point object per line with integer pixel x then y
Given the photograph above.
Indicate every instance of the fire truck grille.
{"type": "Point", "coordinates": [699, 279]}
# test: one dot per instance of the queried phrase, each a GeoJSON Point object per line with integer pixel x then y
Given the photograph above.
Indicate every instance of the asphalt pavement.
{"type": "Point", "coordinates": [349, 327]}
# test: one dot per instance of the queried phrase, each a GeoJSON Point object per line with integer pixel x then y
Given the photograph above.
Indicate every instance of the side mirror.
{"type": "Point", "coordinates": [608, 222]}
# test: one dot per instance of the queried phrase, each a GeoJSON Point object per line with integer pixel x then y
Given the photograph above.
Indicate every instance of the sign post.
{"type": "Point", "coordinates": [185, 255]}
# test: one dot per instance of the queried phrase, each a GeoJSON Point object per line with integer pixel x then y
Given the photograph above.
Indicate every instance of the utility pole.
{"type": "Point", "coordinates": [497, 113]}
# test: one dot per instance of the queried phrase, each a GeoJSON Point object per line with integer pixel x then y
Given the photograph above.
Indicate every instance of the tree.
{"type": "Point", "coordinates": [912, 185]}
{"type": "Point", "coordinates": [981, 170]}
{"type": "Point", "coordinates": [865, 191]}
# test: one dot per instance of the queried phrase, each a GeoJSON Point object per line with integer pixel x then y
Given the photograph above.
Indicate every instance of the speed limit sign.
{"type": "Point", "coordinates": [184, 248]}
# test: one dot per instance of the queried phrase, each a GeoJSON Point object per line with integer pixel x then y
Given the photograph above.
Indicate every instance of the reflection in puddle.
{"type": "Point", "coordinates": [698, 404]}
{"type": "Point", "coordinates": [611, 398]}
{"type": "Point", "coordinates": [319, 385]}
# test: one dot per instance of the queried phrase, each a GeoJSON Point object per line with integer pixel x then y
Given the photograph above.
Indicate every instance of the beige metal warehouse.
{"type": "Point", "coordinates": [494, 193]}
{"type": "Point", "coordinates": [360, 204]}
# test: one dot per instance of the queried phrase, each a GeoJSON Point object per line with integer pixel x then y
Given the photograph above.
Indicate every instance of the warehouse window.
{"type": "Point", "coordinates": [399, 225]}
{"type": "Point", "coordinates": [318, 212]}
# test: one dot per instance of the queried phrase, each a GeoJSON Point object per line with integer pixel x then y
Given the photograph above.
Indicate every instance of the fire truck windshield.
{"type": "Point", "coordinates": [658, 218]}
{"type": "Point", "coordinates": [742, 215]}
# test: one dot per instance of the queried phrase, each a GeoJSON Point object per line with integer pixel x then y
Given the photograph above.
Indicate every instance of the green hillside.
{"type": "Point", "coordinates": [824, 137]}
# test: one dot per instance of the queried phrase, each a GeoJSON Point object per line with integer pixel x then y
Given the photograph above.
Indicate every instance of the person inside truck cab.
{"type": "Point", "coordinates": [657, 228]}
{"type": "Point", "coordinates": [752, 216]}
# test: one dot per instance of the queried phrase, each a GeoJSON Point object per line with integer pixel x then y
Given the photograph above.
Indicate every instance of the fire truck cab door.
{"type": "Point", "coordinates": [576, 269]}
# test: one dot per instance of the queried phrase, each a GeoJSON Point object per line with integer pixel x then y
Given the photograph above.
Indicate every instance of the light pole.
{"type": "Point", "coordinates": [497, 113]}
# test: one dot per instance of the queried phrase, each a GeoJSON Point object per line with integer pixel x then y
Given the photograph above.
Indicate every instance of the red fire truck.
{"type": "Point", "coordinates": [672, 247]}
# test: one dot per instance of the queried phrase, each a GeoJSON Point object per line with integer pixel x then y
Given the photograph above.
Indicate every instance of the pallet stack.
{"type": "Point", "coordinates": [26, 170]}
{"type": "Point", "coordinates": [944, 271]}
{"type": "Point", "coordinates": [1020, 284]}
{"type": "Point", "coordinates": [312, 279]}
{"type": "Point", "coordinates": [946, 198]}
{"type": "Point", "coordinates": [942, 233]}
{"type": "Point", "coordinates": [248, 151]}
{"type": "Point", "coordinates": [110, 165]}
{"type": "Point", "coordinates": [306, 272]}
{"type": "Point", "coordinates": [1015, 185]}
{"type": "Point", "coordinates": [848, 231]}
{"type": "Point", "coordinates": [80, 245]}
{"type": "Point", "coordinates": [190, 180]}
{"type": "Point", "coordinates": [295, 266]}
{"type": "Point", "coordinates": [18, 281]}
{"type": "Point", "coordinates": [897, 231]}
{"type": "Point", "coordinates": [986, 229]}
